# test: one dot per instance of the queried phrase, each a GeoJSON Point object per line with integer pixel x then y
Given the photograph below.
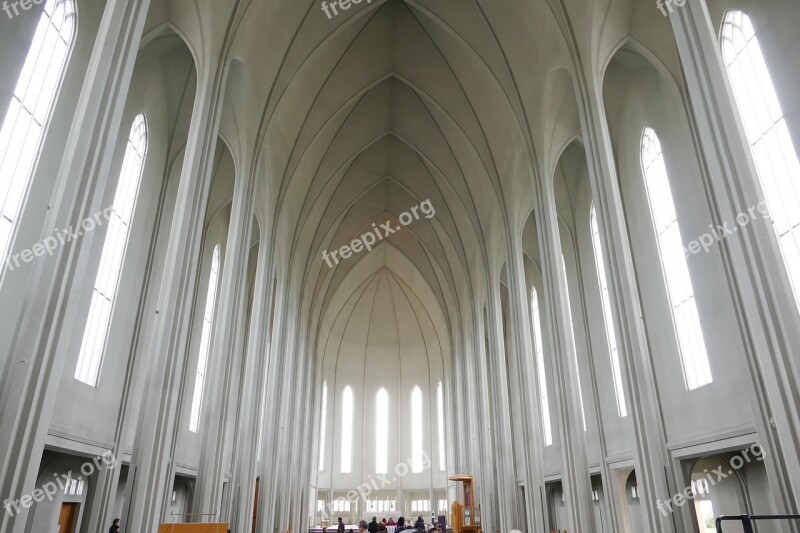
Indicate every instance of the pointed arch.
{"type": "Point", "coordinates": [348, 403]}
{"type": "Point", "coordinates": [417, 429]}
{"type": "Point", "coordinates": [381, 437]}
{"type": "Point", "coordinates": [205, 342]}
{"type": "Point", "coordinates": [109, 273]}
{"type": "Point", "coordinates": [691, 344]}
{"type": "Point", "coordinates": [32, 103]}
{"type": "Point", "coordinates": [616, 372]}
{"type": "Point", "coordinates": [765, 126]}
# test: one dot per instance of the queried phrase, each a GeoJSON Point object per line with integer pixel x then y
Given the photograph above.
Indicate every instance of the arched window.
{"type": "Point", "coordinates": [765, 126]}
{"type": "Point", "coordinates": [347, 431]}
{"type": "Point", "coordinates": [537, 341]}
{"type": "Point", "coordinates": [611, 337]}
{"type": "Point", "coordinates": [30, 109]}
{"type": "Point", "coordinates": [691, 344]}
{"type": "Point", "coordinates": [323, 420]}
{"type": "Point", "coordinates": [381, 437]}
{"type": "Point", "coordinates": [110, 269]}
{"type": "Point", "coordinates": [205, 341]}
{"type": "Point", "coordinates": [417, 427]}
{"type": "Point", "coordinates": [440, 420]}
{"type": "Point", "coordinates": [572, 338]}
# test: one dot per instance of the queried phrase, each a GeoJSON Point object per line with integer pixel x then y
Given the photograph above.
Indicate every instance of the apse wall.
{"type": "Point", "coordinates": [383, 337]}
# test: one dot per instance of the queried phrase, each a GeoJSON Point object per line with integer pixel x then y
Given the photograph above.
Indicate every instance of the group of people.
{"type": "Point", "coordinates": [380, 527]}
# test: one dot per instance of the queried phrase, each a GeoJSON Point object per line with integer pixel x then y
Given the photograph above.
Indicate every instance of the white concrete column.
{"type": "Point", "coordinates": [650, 457]}
{"type": "Point", "coordinates": [760, 288]}
{"type": "Point", "coordinates": [244, 474]}
{"type": "Point", "coordinates": [231, 312]}
{"type": "Point", "coordinates": [286, 434]}
{"type": "Point", "coordinates": [270, 465]}
{"type": "Point", "coordinates": [295, 440]}
{"type": "Point", "coordinates": [501, 428]}
{"type": "Point", "coordinates": [484, 425]}
{"type": "Point", "coordinates": [35, 361]}
{"type": "Point", "coordinates": [575, 464]}
{"type": "Point", "coordinates": [155, 433]}
{"type": "Point", "coordinates": [304, 452]}
{"type": "Point", "coordinates": [529, 385]}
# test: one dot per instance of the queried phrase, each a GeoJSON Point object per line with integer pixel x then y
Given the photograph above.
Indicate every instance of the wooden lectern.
{"type": "Point", "coordinates": [466, 516]}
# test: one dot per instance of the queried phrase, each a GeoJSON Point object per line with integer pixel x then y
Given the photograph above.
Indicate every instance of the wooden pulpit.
{"type": "Point", "coordinates": [465, 515]}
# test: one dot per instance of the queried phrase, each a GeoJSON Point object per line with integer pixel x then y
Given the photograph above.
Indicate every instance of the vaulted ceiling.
{"type": "Point", "coordinates": [354, 118]}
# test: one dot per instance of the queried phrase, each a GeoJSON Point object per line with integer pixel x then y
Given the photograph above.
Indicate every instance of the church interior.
{"type": "Point", "coordinates": [488, 265]}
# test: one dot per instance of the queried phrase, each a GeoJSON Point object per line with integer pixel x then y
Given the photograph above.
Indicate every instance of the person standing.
{"type": "Point", "coordinates": [114, 526]}
{"type": "Point", "coordinates": [373, 526]}
{"type": "Point", "coordinates": [362, 526]}
{"type": "Point", "coordinates": [340, 527]}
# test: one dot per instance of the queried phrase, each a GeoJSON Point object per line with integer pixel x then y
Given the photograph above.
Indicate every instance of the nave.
{"type": "Point", "coordinates": [486, 265]}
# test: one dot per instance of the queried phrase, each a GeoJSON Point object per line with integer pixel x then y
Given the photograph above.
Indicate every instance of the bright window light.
{"type": "Point", "coordinates": [616, 373]}
{"type": "Point", "coordinates": [765, 126]}
{"type": "Point", "coordinates": [323, 425]}
{"type": "Point", "coordinates": [347, 430]}
{"type": "Point", "coordinates": [381, 437]}
{"type": "Point", "coordinates": [416, 430]}
{"type": "Point", "coordinates": [691, 344]}
{"type": "Point", "coordinates": [572, 338]}
{"type": "Point", "coordinates": [544, 398]}
{"type": "Point", "coordinates": [440, 419]}
{"type": "Point", "coordinates": [205, 341]}
{"type": "Point", "coordinates": [29, 111]}
{"type": "Point", "coordinates": [109, 272]}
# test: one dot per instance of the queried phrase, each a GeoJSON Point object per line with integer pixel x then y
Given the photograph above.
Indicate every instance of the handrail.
{"type": "Point", "coordinates": [747, 520]}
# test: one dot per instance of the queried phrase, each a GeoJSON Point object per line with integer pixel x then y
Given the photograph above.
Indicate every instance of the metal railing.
{"type": "Point", "coordinates": [747, 520]}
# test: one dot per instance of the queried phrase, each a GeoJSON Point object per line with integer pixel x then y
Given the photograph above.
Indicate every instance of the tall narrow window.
{"type": "Point", "coordinates": [381, 437]}
{"type": "Point", "coordinates": [440, 420]}
{"type": "Point", "coordinates": [30, 109]}
{"type": "Point", "coordinates": [537, 341]}
{"type": "Point", "coordinates": [416, 430]}
{"type": "Point", "coordinates": [765, 126]}
{"type": "Point", "coordinates": [109, 272]}
{"type": "Point", "coordinates": [323, 425]}
{"type": "Point", "coordinates": [572, 338]}
{"type": "Point", "coordinates": [205, 342]}
{"type": "Point", "coordinates": [691, 344]}
{"type": "Point", "coordinates": [611, 337]}
{"type": "Point", "coordinates": [347, 431]}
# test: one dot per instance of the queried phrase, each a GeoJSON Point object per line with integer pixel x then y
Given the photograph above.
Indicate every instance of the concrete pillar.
{"type": "Point", "coordinates": [155, 435]}
{"type": "Point", "coordinates": [484, 425]}
{"type": "Point", "coordinates": [503, 467]}
{"type": "Point", "coordinates": [244, 473]}
{"type": "Point", "coordinates": [35, 363]}
{"type": "Point", "coordinates": [754, 267]}
{"type": "Point", "coordinates": [230, 313]}
{"type": "Point", "coordinates": [527, 379]}
{"type": "Point", "coordinates": [278, 360]}
{"type": "Point", "coordinates": [575, 463]}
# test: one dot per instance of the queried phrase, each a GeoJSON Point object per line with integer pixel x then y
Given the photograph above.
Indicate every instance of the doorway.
{"type": "Point", "coordinates": [255, 504]}
{"type": "Point", "coordinates": [67, 517]}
